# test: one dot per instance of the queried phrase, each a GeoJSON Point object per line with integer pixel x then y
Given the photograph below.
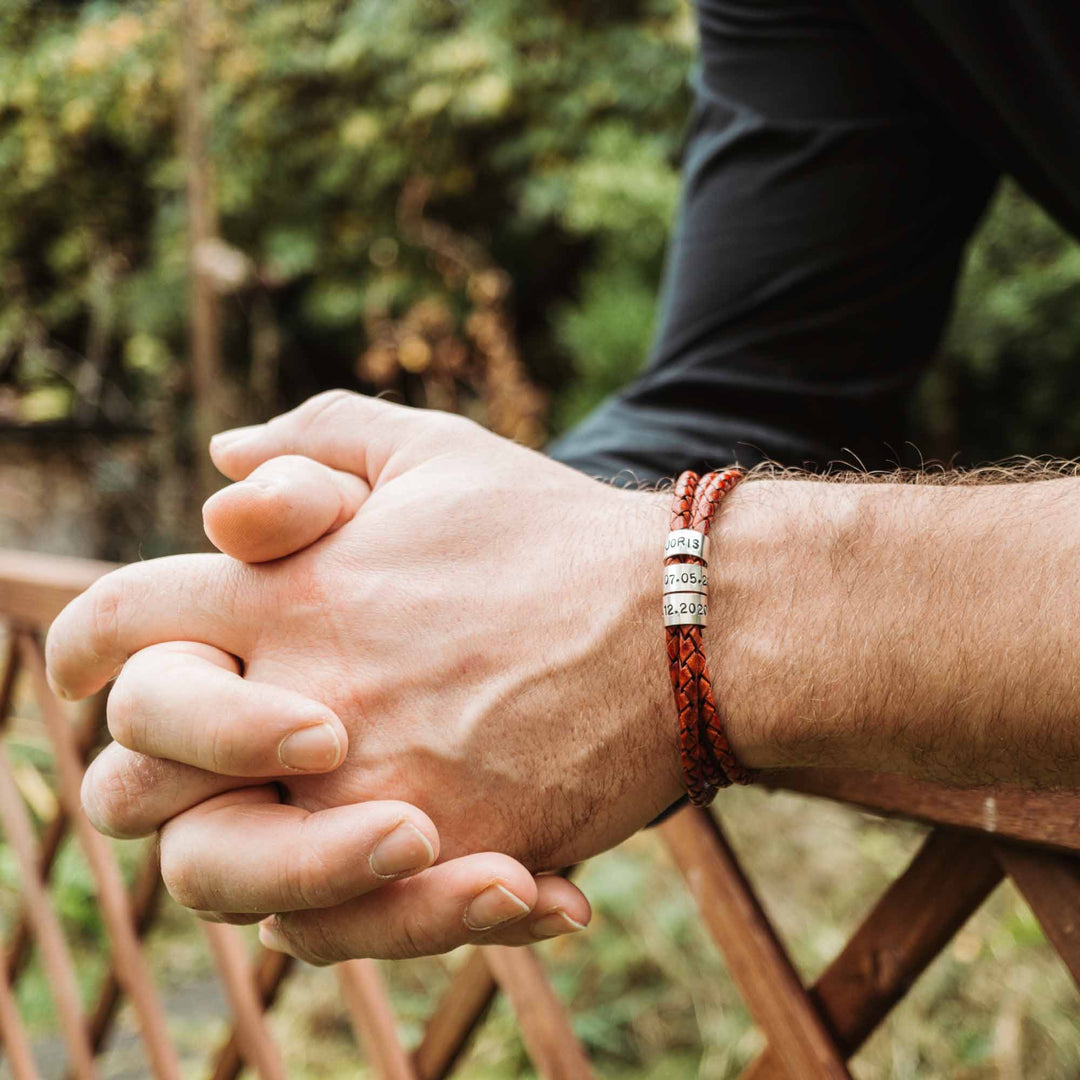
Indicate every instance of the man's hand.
{"type": "Point", "coordinates": [482, 636]}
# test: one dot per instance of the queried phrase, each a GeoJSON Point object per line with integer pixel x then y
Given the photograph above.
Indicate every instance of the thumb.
{"type": "Point", "coordinates": [370, 437]}
{"type": "Point", "coordinates": [282, 506]}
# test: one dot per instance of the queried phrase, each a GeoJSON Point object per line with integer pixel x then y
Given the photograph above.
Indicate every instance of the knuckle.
{"type": "Point", "coordinates": [308, 878]}
{"type": "Point", "coordinates": [233, 918]}
{"type": "Point", "coordinates": [326, 407]}
{"type": "Point", "coordinates": [414, 938]}
{"type": "Point", "coordinates": [238, 586]}
{"type": "Point", "coordinates": [123, 708]}
{"type": "Point", "coordinates": [220, 750]}
{"type": "Point", "coordinates": [180, 874]}
{"type": "Point", "coordinates": [311, 939]}
{"type": "Point", "coordinates": [261, 502]}
{"type": "Point", "coordinates": [107, 600]}
{"type": "Point", "coordinates": [440, 431]}
{"type": "Point", "coordinates": [305, 584]}
{"type": "Point", "coordinates": [451, 425]}
{"type": "Point", "coordinates": [269, 495]}
{"type": "Point", "coordinates": [114, 795]}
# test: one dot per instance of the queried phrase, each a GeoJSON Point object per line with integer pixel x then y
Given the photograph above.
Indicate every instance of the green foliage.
{"type": "Point", "coordinates": [549, 131]}
{"type": "Point", "coordinates": [607, 332]}
{"type": "Point", "coordinates": [1010, 378]}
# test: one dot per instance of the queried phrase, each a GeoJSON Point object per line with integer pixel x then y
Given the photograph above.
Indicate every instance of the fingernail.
{"type": "Point", "coordinates": [401, 850]}
{"type": "Point", "coordinates": [271, 936]}
{"type": "Point", "coordinates": [311, 749]}
{"type": "Point", "coordinates": [228, 439]}
{"type": "Point", "coordinates": [555, 924]}
{"type": "Point", "coordinates": [55, 687]}
{"type": "Point", "coordinates": [495, 905]}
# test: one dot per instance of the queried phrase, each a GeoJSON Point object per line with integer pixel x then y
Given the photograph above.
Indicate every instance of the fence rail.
{"type": "Point", "coordinates": [978, 837]}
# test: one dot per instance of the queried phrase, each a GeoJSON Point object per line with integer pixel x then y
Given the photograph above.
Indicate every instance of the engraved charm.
{"type": "Point", "coordinates": [685, 542]}
{"type": "Point", "coordinates": [685, 609]}
{"type": "Point", "coordinates": [685, 577]}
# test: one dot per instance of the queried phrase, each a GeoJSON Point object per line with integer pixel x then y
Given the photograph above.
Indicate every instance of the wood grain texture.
{"type": "Point", "coordinates": [48, 934]}
{"type": "Point", "coordinates": [459, 1012]}
{"type": "Point", "coordinates": [949, 878]}
{"type": "Point", "coordinates": [89, 727]}
{"type": "Point", "coordinates": [257, 1046]}
{"type": "Point", "coordinates": [1050, 883]}
{"type": "Point", "coordinates": [13, 1037]}
{"type": "Point", "coordinates": [373, 1019]}
{"type": "Point", "coordinates": [760, 967]}
{"type": "Point", "coordinates": [128, 961]}
{"type": "Point", "coordinates": [545, 1026]}
{"type": "Point", "coordinates": [270, 971]}
{"type": "Point", "coordinates": [145, 896]}
{"type": "Point", "coordinates": [1048, 818]}
{"type": "Point", "coordinates": [34, 588]}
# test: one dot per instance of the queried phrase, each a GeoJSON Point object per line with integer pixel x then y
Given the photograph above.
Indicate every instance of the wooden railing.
{"type": "Point", "coordinates": [977, 838]}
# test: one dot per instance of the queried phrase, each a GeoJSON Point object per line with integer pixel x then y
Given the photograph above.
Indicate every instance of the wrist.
{"type": "Point", "coordinates": [758, 526]}
{"type": "Point", "coordinates": [779, 617]}
{"type": "Point", "coordinates": [648, 521]}
{"type": "Point", "coordinates": [775, 619]}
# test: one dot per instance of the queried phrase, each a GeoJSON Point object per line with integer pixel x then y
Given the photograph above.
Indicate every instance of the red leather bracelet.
{"type": "Point", "coordinates": [708, 761]}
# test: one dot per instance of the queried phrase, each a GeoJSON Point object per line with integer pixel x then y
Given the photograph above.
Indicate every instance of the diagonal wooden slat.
{"type": "Point", "coordinates": [269, 972]}
{"type": "Point", "coordinates": [144, 901]}
{"type": "Point", "coordinates": [7, 682]}
{"type": "Point", "coordinates": [63, 981]}
{"type": "Point", "coordinates": [128, 961]}
{"type": "Point", "coordinates": [1048, 818]}
{"type": "Point", "coordinates": [373, 1019]}
{"type": "Point", "coordinates": [13, 1034]}
{"type": "Point", "coordinates": [256, 1044]}
{"type": "Point", "coordinates": [545, 1027]}
{"type": "Point", "coordinates": [757, 961]}
{"type": "Point", "coordinates": [897, 940]}
{"type": "Point", "coordinates": [90, 724]}
{"type": "Point", "coordinates": [1051, 885]}
{"type": "Point", "coordinates": [460, 1011]}
{"type": "Point", "coordinates": [47, 849]}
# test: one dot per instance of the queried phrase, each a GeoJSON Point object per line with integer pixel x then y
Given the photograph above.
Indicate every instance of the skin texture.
{"type": "Point", "coordinates": [921, 627]}
{"type": "Point", "coordinates": [417, 683]}
{"type": "Point", "coordinates": [479, 632]}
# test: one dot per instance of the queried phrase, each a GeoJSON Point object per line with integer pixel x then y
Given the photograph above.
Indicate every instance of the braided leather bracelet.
{"type": "Point", "coordinates": [708, 761]}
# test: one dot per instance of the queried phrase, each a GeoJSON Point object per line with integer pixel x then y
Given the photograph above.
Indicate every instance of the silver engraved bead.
{"type": "Point", "coordinates": [685, 609]}
{"type": "Point", "coordinates": [685, 542]}
{"type": "Point", "coordinates": [685, 577]}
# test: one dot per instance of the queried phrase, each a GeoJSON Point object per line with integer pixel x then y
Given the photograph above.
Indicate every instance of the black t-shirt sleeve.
{"type": "Point", "coordinates": [825, 205]}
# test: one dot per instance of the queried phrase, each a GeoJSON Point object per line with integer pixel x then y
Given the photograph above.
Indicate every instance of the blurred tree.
{"type": "Point", "coordinates": [1009, 381]}
{"type": "Point", "coordinates": [204, 342]}
{"type": "Point", "coordinates": [546, 134]}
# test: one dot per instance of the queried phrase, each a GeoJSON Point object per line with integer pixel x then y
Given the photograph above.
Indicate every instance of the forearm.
{"type": "Point", "coordinates": [929, 630]}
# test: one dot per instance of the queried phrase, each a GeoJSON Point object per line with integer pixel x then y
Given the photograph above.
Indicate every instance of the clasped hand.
{"type": "Point", "coordinates": [424, 668]}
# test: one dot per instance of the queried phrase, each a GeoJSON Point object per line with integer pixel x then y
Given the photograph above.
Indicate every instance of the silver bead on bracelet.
{"type": "Point", "coordinates": [686, 542]}
{"type": "Point", "coordinates": [685, 609]}
{"type": "Point", "coordinates": [685, 577]}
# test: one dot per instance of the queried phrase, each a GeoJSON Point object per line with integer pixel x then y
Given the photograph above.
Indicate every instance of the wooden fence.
{"type": "Point", "coordinates": [977, 838]}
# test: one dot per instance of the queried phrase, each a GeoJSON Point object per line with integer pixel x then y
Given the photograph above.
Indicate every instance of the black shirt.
{"type": "Point", "coordinates": [838, 158]}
